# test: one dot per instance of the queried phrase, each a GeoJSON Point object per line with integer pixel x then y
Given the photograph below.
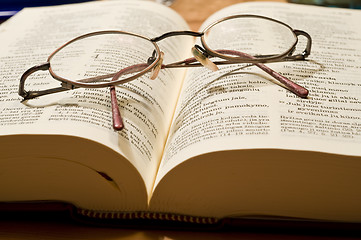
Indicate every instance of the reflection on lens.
{"type": "Point", "coordinates": [104, 54]}
{"type": "Point", "coordinates": [258, 37]}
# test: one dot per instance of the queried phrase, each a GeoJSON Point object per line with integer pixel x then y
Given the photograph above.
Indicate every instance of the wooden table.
{"type": "Point", "coordinates": [196, 11]}
{"type": "Point", "coordinates": [37, 230]}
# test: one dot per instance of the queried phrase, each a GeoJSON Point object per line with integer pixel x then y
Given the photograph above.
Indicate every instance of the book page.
{"type": "Point", "coordinates": [245, 109]}
{"type": "Point", "coordinates": [146, 105]}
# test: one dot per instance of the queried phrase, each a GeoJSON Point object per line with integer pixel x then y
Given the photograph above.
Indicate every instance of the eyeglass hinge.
{"type": "Point", "coordinates": [152, 58]}
{"type": "Point", "coordinates": [67, 85]}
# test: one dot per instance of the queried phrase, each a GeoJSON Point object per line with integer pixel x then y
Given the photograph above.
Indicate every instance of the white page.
{"type": "Point", "coordinates": [248, 111]}
{"type": "Point", "coordinates": [33, 34]}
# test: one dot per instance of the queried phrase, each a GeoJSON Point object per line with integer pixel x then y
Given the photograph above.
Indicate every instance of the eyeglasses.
{"type": "Point", "coordinates": [109, 58]}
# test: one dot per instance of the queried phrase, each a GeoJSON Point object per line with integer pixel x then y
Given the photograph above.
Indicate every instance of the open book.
{"type": "Point", "coordinates": [197, 145]}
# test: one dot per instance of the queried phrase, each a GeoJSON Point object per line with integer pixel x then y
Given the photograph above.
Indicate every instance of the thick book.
{"type": "Point", "coordinates": [198, 146]}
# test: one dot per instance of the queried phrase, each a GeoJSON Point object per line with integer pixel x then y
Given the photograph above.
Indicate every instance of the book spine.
{"type": "Point", "coordinates": [104, 215]}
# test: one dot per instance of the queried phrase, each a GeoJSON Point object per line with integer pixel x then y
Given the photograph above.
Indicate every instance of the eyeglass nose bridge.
{"type": "Point", "coordinates": [177, 33]}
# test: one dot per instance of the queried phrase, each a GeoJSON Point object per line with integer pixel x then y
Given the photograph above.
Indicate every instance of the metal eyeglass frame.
{"type": "Point", "coordinates": [155, 63]}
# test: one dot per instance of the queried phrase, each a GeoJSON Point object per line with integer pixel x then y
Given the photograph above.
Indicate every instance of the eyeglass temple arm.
{"type": "Point", "coordinates": [117, 119]}
{"type": "Point", "coordinates": [33, 94]}
{"type": "Point", "coordinates": [290, 85]}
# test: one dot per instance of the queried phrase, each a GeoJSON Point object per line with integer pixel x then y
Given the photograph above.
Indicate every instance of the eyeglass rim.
{"type": "Point", "coordinates": [101, 85]}
{"type": "Point", "coordinates": [214, 53]}
{"type": "Point", "coordinates": [241, 59]}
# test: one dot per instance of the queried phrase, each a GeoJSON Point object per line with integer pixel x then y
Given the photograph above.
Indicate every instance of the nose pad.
{"type": "Point", "coordinates": [203, 59]}
{"type": "Point", "coordinates": [157, 67]}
